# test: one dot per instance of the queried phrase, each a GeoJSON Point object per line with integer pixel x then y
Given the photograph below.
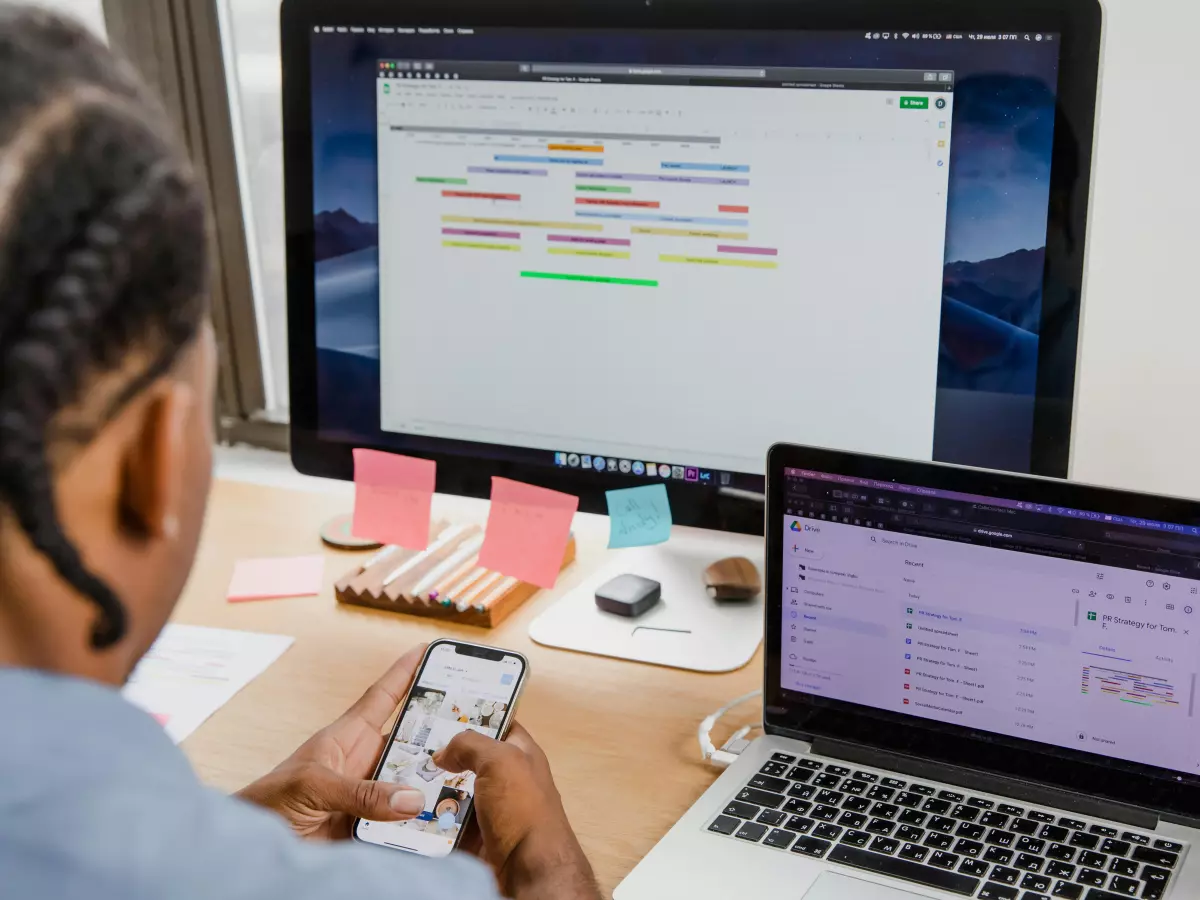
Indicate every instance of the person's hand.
{"type": "Point", "coordinates": [525, 834]}
{"type": "Point", "coordinates": [323, 786]}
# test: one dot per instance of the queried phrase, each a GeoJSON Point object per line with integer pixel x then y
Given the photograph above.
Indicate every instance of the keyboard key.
{"type": "Point", "coordinates": [830, 798]}
{"type": "Point", "coordinates": [857, 788]}
{"type": "Point", "coordinates": [966, 813]}
{"type": "Point", "coordinates": [1027, 844]}
{"type": "Point", "coordinates": [938, 841]}
{"type": "Point", "coordinates": [827, 780]}
{"type": "Point", "coordinates": [751, 831]}
{"type": "Point", "coordinates": [1028, 862]}
{"type": "Point", "coordinates": [913, 817]}
{"type": "Point", "coordinates": [1033, 882]}
{"type": "Point", "coordinates": [810, 764]}
{"type": "Point", "coordinates": [1103, 830]}
{"type": "Point", "coordinates": [981, 803]}
{"type": "Point", "coordinates": [800, 774]}
{"type": "Point", "coordinates": [1001, 838]}
{"type": "Point", "coordinates": [1093, 860]}
{"type": "Point", "coordinates": [1005, 875]}
{"type": "Point", "coordinates": [852, 820]}
{"type": "Point", "coordinates": [741, 810]}
{"type": "Point", "coordinates": [773, 769]}
{"type": "Point", "coordinates": [1155, 857]}
{"type": "Point", "coordinates": [1073, 824]}
{"type": "Point", "coordinates": [779, 839]}
{"type": "Point", "coordinates": [881, 826]}
{"type": "Point", "coordinates": [973, 867]}
{"type": "Point", "coordinates": [825, 813]}
{"type": "Point", "coordinates": [941, 823]}
{"type": "Point", "coordinates": [913, 852]}
{"type": "Point", "coordinates": [1091, 877]}
{"type": "Point", "coordinates": [1116, 848]}
{"type": "Point", "coordinates": [867, 777]}
{"type": "Point", "coordinates": [992, 891]}
{"type": "Point", "coordinates": [1054, 833]}
{"type": "Point", "coordinates": [941, 807]}
{"type": "Point", "coordinates": [1067, 890]}
{"type": "Point", "coordinates": [968, 848]}
{"type": "Point", "coordinates": [827, 832]}
{"type": "Point", "coordinates": [943, 860]}
{"type": "Point", "coordinates": [886, 845]}
{"type": "Point", "coordinates": [837, 770]}
{"type": "Point", "coordinates": [970, 830]}
{"type": "Point", "coordinates": [898, 867]}
{"type": "Point", "coordinates": [1168, 845]}
{"type": "Point", "coordinates": [885, 810]}
{"type": "Point", "coordinates": [1010, 810]}
{"type": "Point", "coordinates": [1060, 852]}
{"type": "Point", "coordinates": [799, 824]}
{"type": "Point", "coordinates": [1134, 838]}
{"type": "Point", "coordinates": [908, 798]}
{"type": "Point", "coordinates": [1024, 826]}
{"type": "Point", "coordinates": [782, 757]}
{"type": "Point", "coordinates": [803, 791]}
{"type": "Point", "coordinates": [880, 793]}
{"type": "Point", "coordinates": [725, 825]}
{"type": "Point", "coordinates": [1125, 867]}
{"type": "Point", "coordinates": [909, 833]}
{"type": "Point", "coordinates": [951, 796]}
{"type": "Point", "coordinates": [1039, 816]}
{"type": "Point", "coordinates": [998, 855]}
{"type": "Point", "coordinates": [772, 817]}
{"type": "Point", "coordinates": [797, 807]}
{"type": "Point", "coordinates": [894, 783]}
{"type": "Point", "coordinates": [857, 804]}
{"type": "Point", "coordinates": [1086, 841]}
{"type": "Point", "coordinates": [1062, 870]}
{"type": "Point", "coordinates": [1127, 886]}
{"type": "Point", "coordinates": [1034, 895]}
{"type": "Point", "coordinates": [811, 846]}
{"type": "Point", "coordinates": [994, 820]}
{"type": "Point", "coordinates": [1152, 875]}
{"type": "Point", "coordinates": [923, 789]}
{"type": "Point", "coordinates": [767, 783]}
{"type": "Point", "coordinates": [762, 798]}
{"type": "Point", "coordinates": [856, 838]}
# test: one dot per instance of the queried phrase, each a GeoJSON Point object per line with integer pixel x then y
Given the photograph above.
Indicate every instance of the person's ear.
{"type": "Point", "coordinates": [152, 489]}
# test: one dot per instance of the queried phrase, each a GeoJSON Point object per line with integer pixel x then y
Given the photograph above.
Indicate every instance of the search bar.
{"type": "Point", "coordinates": [664, 71]}
{"type": "Point", "coordinates": [1163, 544]}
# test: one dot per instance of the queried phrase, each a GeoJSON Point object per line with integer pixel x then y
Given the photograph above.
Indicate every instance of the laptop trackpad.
{"type": "Point", "coordinates": [832, 886]}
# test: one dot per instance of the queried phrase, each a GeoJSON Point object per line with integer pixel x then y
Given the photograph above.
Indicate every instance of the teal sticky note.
{"type": "Point", "coordinates": [639, 516]}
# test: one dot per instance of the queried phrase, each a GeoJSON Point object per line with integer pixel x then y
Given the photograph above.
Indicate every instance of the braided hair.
{"type": "Point", "coordinates": [103, 264]}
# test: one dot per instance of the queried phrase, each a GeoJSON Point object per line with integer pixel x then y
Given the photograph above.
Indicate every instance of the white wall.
{"type": "Point", "coordinates": [1138, 419]}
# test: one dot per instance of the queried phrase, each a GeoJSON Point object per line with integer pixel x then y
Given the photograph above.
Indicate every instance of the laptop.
{"type": "Point", "coordinates": [976, 685]}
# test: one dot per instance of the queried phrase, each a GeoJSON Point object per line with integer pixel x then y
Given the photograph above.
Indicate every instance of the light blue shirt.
{"type": "Point", "coordinates": [97, 803]}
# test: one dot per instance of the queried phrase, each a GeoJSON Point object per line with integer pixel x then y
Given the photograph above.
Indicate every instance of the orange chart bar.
{"type": "Point", "coordinates": [604, 201]}
{"type": "Point", "coordinates": [733, 209]}
{"type": "Point", "coordinates": [481, 195]}
{"type": "Point", "coordinates": [576, 148]}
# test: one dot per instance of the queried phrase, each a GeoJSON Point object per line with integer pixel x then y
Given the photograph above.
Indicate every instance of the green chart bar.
{"type": "Point", "coordinates": [604, 188]}
{"type": "Point", "coordinates": [597, 279]}
{"type": "Point", "coordinates": [441, 180]}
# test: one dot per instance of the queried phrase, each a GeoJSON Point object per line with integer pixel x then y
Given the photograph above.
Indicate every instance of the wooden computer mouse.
{"type": "Point", "coordinates": [733, 579]}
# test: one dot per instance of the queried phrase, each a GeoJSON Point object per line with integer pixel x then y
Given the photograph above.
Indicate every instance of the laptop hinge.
{"type": "Point", "coordinates": [990, 782]}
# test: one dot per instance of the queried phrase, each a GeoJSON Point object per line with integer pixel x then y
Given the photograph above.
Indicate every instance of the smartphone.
{"type": "Point", "coordinates": [457, 686]}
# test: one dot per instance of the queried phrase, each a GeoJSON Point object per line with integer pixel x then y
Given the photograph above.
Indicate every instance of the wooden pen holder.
{"type": "Point", "coordinates": [492, 597]}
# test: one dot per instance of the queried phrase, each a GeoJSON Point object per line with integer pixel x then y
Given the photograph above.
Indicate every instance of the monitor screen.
{"type": "Point", "coordinates": [1074, 628]}
{"type": "Point", "coordinates": [655, 254]}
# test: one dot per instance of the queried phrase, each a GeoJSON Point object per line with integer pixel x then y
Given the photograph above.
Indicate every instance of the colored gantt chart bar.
{"type": "Point", "coordinates": [705, 167]}
{"type": "Point", "coordinates": [667, 179]}
{"type": "Point", "coordinates": [647, 217]}
{"type": "Point", "coordinates": [559, 160]}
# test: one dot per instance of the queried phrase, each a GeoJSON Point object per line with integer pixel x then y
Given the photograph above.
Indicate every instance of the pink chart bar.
{"type": "Point", "coordinates": [754, 251]}
{"type": "Point", "coordinates": [472, 232]}
{"type": "Point", "coordinates": [572, 239]}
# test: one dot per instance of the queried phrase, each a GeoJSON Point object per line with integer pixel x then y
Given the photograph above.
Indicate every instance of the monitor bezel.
{"type": "Point", "coordinates": [808, 717]}
{"type": "Point", "coordinates": [1077, 21]}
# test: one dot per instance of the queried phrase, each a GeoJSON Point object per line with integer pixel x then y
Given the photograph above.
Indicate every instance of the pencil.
{"type": "Point", "coordinates": [452, 563]}
{"type": "Point", "coordinates": [476, 592]}
{"type": "Point", "coordinates": [500, 590]}
{"type": "Point", "coordinates": [450, 536]}
{"type": "Point", "coordinates": [456, 590]}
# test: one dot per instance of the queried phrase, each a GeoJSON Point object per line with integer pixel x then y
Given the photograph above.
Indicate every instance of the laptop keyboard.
{"type": "Point", "coordinates": [950, 840]}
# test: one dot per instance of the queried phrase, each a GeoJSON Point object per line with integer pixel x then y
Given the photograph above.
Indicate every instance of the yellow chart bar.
{"type": "Point", "coordinates": [473, 245]}
{"type": "Point", "coordinates": [605, 254]}
{"type": "Point", "coordinates": [692, 232]}
{"type": "Point", "coordinates": [710, 261]}
{"type": "Point", "coordinates": [522, 223]}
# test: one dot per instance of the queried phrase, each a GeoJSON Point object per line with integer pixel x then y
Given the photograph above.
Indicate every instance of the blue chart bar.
{"type": "Point", "coordinates": [650, 217]}
{"type": "Point", "coordinates": [561, 160]}
{"type": "Point", "coordinates": [705, 167]}
{"type": "Point", "coordinates": [497, 170]}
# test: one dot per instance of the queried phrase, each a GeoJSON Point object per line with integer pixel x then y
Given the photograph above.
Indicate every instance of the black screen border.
{"type": "Point", "coordinates": [1077, 21]}
{"type": "Point", "coordinates": [808, 717]}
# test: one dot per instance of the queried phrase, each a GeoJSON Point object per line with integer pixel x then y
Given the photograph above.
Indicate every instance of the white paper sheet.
{"type": "Point", "coordinates": [191, 672]}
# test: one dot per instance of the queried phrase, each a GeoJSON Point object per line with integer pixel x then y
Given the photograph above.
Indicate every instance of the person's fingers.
{"type": "Point", "coordinates": [373, 800]}
{"type": "Point", "coordinates": [468, 751]}
{"type": "Point", "coordinates": [381, 699]}
{"type": "Point", "coordinates": [520, 738]}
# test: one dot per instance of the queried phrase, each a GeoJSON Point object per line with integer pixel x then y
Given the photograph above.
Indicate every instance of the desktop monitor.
{"type": "Point", "coordinates": [593, 244]}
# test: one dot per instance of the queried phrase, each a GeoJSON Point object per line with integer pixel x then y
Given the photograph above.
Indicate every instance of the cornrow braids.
{"type": "Point", "coordinates": [103, 262]}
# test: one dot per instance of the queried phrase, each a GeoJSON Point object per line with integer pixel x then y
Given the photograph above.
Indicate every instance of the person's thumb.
{"type": "Point", "coordinates": [469, 751]}
{"type": "Point", "coordinates": [372, 800]}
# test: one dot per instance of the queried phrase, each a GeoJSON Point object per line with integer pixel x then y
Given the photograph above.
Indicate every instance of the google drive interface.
{"type": "Point", "coordinates": [619, 248]}
{"type": "Point", "coordinates": [1075, 628]}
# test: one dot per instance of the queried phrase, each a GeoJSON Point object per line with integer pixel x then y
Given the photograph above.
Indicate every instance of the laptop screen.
{"type": "Point", "coordinates": [1074, 628]}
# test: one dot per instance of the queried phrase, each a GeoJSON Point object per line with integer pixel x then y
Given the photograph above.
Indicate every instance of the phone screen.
{"type": "Point", "coordinates": [458, 687]}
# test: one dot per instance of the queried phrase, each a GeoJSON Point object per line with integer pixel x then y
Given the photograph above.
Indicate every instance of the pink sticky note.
{"type": "Point", "coordinates": [528, 530]}
{"type": "Point", "coordinates": [393, 496]}
{"type": "Point", "coordinates": [275, 577]}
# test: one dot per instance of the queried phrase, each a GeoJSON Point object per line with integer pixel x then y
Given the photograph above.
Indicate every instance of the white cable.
{"type": "Point", "coordinates": [708, 752]}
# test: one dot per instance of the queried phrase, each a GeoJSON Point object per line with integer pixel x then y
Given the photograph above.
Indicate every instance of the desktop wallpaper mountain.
{"type": "Point", "coordinates": [1002, 141]}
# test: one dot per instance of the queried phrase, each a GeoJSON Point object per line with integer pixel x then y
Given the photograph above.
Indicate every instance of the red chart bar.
{"type": "Point", "coordinates": [481, 195]}
{"type": "Point", "coordinates": [734, 209]}
{"type": "Point", "coordinates": [597, 201]}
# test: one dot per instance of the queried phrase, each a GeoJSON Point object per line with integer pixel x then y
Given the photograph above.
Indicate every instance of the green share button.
{"type": "Point", "coordinates": [914, 103]}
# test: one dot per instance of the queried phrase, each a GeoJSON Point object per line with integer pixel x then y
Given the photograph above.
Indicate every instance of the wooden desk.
{"type": "Point", "coordinates": [621, 736]}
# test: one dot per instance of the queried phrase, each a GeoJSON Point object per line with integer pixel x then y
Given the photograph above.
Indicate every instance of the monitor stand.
{"type": "Point", "coordinates": [686, 630]}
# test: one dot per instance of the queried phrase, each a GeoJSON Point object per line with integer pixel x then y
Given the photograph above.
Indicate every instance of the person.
{"type": "Point", "coordinates": [107, 364]}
